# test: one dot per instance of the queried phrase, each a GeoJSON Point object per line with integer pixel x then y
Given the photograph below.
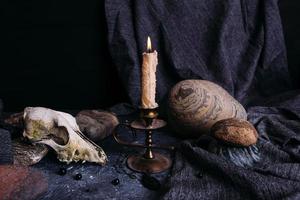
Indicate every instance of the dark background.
{"type": "Point", "coordinates": [55, 54]}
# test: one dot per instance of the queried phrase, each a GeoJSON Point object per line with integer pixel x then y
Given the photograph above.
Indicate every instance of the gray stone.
{"type": "Point", "coordinates": [96, 124]}
{"type": "Point", "coordinates": [28, 154]}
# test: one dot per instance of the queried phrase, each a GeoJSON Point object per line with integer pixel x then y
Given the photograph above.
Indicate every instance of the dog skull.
{"type": "Point", "coordinates": [60, 131]}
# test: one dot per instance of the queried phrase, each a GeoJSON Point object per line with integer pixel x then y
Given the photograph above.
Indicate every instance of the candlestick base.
{"type": "Point", "coordinates": [158, 163]}
{"type": "Point", "coordinates": [150, 161]}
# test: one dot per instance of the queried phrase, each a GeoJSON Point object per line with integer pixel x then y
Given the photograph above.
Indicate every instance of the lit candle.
{"type": "Point", "coordinates": [148, 79]}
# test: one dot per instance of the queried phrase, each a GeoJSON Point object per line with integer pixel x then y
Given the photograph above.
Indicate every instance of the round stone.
{"type": "Point", "coordinates": [235, 131]}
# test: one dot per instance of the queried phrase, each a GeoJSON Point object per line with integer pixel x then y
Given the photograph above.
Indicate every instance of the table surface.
{"type": "Point", "coordinates": [96, 179]}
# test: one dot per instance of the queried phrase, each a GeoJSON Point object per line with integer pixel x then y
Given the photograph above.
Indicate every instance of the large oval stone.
{"type": "Point", "coordinates": [195, 105]}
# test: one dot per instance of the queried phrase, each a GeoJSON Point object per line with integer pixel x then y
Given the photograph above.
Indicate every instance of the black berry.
{"type": "Point", "coordinates": [199, 174]}
{"type": "Point", "coordinates": [115, 181]}
{"type": "Point", "coordinates": [78, 176]}
{"type": "Point", "coordinates": [150, 182]}
{"type": "Point", "coordinates": [62, 171]}
{"type": "Point", "coordinates": [132, 176]}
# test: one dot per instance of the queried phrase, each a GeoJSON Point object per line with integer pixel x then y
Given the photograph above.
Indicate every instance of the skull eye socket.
{"type": "Point", "coordinates": [59, 134]}
{"type": "Point", "coordinates": [76, 152]}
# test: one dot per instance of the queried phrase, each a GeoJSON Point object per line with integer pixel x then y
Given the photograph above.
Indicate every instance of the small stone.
{"type": "Point", "coordinates": [235, 131]}
{"type": "Point", "coordinates": [78, 176]}
{"type": "Point", "coordinates": [96, 124]}
{"type": "Point", "coordinates": [62, 171]}
{"type": "Point", "coordinates": [115, 181]}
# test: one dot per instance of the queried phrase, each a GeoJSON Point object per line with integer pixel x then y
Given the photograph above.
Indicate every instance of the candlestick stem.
{"type": "Point", "coordinates": [149, 154]}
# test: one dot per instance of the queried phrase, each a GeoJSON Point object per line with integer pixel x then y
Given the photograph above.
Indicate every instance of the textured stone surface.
{"type": "Point", "coordinates": [96, 124]}
{"type": "Point", "coordinates": [195, 105]}
{"type": "Point", "coordinates": [235, 131]}
{"type": "Point", "coordinates": [26, 153]}
{"type": "Point", "coordinates": [22, 183]}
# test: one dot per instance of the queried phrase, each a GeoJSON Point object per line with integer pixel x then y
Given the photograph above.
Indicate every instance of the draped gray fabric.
{"type": "Point", "coordinates": [237, 44]}
{"type": "Point", "coordinates": [276, 176]}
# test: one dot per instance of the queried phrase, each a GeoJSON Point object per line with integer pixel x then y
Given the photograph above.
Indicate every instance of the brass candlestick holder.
{"type": "Point", "coordinates": [150, 161]}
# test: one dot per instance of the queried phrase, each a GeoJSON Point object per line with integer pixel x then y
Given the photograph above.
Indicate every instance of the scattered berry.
{"type": "Point", "coordinates": [132, 176]}
{"type": "Point", "coordinates": [78, 176]}
{"type": "Point", "coordinates": [199, 174]}
{"type": "Point", "coordinates": [62, 171]}
{"type": "Point", "coordinates": [115, 181]}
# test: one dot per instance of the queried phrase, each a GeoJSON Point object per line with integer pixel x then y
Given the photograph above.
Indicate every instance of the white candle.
{"type": "Point", "coordinates": [148, 79]}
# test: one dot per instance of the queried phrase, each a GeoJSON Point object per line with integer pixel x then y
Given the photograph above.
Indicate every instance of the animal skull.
{"type": "Point", "coordinates": [60, 131]}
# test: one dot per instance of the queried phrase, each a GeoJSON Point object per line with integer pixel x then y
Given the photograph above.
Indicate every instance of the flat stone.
{"type": "Point", "coordinates": [235, 131]}
{"type": "Point", "coordinates": [96, 124]}
{"type": "Point", "coordinates": [17, 182]}
{"type": "Point", "coordinates": [26, 153]}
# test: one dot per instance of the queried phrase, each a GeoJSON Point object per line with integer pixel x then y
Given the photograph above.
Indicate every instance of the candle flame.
{"type": "Point", "coordinates": [149, 46]}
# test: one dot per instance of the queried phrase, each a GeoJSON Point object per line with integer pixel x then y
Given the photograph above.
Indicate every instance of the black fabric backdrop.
{"type": "Point", "coordinates": [237, 44]}
{"type": "Point", "coordinates": [55, 54]}
{"type": "Point", "coordinates": [68, 40]}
